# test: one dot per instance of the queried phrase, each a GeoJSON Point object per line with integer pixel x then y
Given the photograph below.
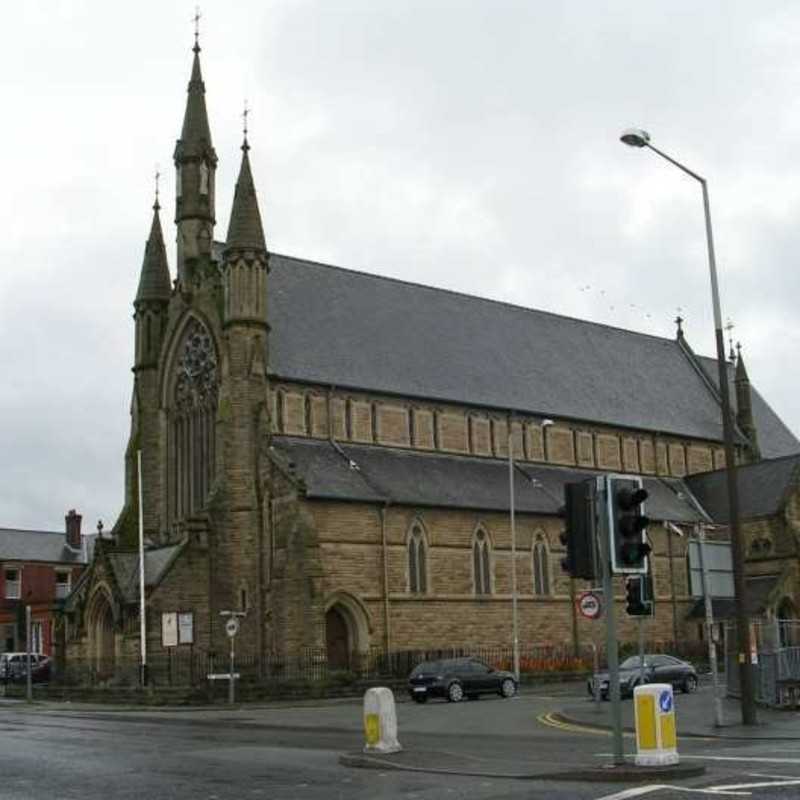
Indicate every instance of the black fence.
{"type": "Point", "coordinates": [189, 667]}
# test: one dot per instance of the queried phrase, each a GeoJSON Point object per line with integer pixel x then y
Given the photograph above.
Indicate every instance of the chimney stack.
{"type": "Point", "coordinates": [73, 522]}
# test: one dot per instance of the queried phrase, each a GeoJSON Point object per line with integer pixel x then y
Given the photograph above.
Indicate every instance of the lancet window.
{"type": "Point", "coordinates": [417, 562]}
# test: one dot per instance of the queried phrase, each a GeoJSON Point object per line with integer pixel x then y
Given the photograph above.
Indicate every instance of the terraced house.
{"type": "Point", "coordinates": [327, 450]}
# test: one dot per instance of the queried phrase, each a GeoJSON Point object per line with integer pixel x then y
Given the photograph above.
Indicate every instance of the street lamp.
{"type": "Point", "coordinates": [635, 137]}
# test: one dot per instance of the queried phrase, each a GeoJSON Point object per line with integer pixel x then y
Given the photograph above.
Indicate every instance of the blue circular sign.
{"type": "Point", "coordinates": [665, 701]}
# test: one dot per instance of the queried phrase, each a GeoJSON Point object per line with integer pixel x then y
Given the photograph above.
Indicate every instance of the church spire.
{"type": "Point", "coordinates": [245, 231]}
{"type": "Point", "coordinates": [154, 280]}
{"type": "Point", "coordinates": [195, 169]}
{"type": "Point", "coordinates": [245, 263]}
{"type": "Point", "coordinates": [152, 296]}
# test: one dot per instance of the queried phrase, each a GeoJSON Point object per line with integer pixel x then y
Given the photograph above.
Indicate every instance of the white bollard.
{"type": "Point", "coordinates": [380, 722]}
{"type": "Point", "coordinates": [656, 740]}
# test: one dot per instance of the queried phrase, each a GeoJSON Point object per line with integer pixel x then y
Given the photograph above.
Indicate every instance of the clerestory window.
{"type": "Point", "coordinates": [481, 563]}
{"type": "Point", "coordinates": [417, 562]}
{"type": "Point", "coordinates": [541, 572]}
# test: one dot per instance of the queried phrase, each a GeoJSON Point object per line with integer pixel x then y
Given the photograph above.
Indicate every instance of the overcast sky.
{"type": "Point", "coordinates": [468, 145]}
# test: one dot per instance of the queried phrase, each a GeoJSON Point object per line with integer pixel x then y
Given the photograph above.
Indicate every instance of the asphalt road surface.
{"type": "Point", "coordinates": [291, 753]}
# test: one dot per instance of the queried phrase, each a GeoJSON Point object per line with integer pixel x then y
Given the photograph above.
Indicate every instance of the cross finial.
{"type": "Point", "coordinates": [245, 114]}
{"type": "Point", "coordinates": [156, 205]}
{"type": "Point", "coordinates": [739, 349]}
{"type": "Point", "coordinates": [679, 323]}
{"type": "Point", "coordinates": [196, 19]}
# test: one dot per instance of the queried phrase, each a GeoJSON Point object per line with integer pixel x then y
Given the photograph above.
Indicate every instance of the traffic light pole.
{"type": "Point", "coordinates": [604, 537]}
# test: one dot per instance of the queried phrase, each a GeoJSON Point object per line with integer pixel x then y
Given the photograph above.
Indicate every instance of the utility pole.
{"type": "Point", "coordinates": [604, 536]}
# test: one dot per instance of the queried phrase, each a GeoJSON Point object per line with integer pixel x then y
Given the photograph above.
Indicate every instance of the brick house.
{"type": "Point", "coordinates": [39, 569]}
{"type": "Point", "coordinates": [327, 450]}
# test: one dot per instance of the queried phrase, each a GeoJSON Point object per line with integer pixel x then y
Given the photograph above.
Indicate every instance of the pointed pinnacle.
{"type": "Point", "coordinates": [245, 231]}
{"type": "Point", "coordinates": [154, 280]}
{"type": "Point", "coordinates": [195, 119]}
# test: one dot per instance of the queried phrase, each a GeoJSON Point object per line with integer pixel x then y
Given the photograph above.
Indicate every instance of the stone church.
{"type": "Point", "coordinates": [327, 451]}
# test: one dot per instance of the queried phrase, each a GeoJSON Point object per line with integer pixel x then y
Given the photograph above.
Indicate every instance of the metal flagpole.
{"type": "Point", "coordinates": [514, 625]}
{"type": "Point", "coordinates": [142, 620]}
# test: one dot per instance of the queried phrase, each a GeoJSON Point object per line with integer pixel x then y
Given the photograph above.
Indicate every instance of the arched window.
{"type": "Point", "coordinates": [541, 571]}
{"type": "Point", "coordinates": [481, 565]}
{"type": "Point", "coordinates": [417, 561]}
{"type": "Point", "coordinates": [192, 417]}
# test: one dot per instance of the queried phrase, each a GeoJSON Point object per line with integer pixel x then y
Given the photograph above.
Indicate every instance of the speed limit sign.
{"type": "Point", "coordinates": [589, 605]}
{"type": "Point", "coordinates": [232, 627]}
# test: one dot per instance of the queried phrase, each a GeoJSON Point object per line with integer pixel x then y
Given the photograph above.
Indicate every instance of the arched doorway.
{"type": "Point", "coordinates": [346, 632]}
{"type": "Point", "coordinates": [337, 639]}
{"type": "Point", "coordinates": [102, 648]}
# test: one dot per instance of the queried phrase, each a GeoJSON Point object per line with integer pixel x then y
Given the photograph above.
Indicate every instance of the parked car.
{"type": "Point", "coordinates": [13, 667]}
{"type": "Point", "coordinates": [457, 678]}
{"type": "Point", "coordinates": [657, 669]}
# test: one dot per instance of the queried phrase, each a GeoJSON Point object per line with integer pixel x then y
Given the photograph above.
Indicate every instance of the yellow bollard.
{"type": "Point", "coordinates": [656, 740]}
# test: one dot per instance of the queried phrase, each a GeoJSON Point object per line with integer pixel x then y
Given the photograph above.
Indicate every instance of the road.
{"type": "Point", "coordinates": [291, 753]}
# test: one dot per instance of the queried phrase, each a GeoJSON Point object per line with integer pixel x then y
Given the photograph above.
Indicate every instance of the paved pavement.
{"type": "Point", "coordinates": [694, 716]}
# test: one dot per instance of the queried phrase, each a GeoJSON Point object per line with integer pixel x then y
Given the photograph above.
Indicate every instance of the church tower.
{"type": "Point", "coordinates": [195, 171]}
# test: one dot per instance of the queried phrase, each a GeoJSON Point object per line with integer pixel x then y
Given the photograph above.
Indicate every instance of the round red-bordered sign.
{"type": "Point", "coordinates": [589, 605]}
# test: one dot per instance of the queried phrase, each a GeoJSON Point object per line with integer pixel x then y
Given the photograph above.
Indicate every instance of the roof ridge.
{"type": "Point", "coordinates": [31, 530]}
{"type": "Point", "coordinates": [477, 297]}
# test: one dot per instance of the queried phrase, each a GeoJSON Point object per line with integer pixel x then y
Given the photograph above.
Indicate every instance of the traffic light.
{"type": "Point", "coordinates": [579, 535]}
{"type": "Point", "coordinates": [628, 524]}
{"type": "Point", "coordinates": [639, 596]}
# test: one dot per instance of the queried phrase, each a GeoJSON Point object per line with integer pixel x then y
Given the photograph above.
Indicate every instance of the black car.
{"type": "Point", "coordinates": [457, 678]}
{"type": "Point", "coordinates": [657, 669]}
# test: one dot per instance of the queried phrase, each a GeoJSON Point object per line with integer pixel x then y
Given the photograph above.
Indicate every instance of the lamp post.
{"type": "Point", "coordinates": [634, 137]}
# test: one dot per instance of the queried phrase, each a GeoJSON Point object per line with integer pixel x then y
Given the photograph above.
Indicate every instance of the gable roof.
{"type": "Point", "coordinates": [125, 565]}
{"type": "Point", "coordinates": [762, 488]}
{"type": "Point", "coordinates": [411, 477]}
{"type": "Point", "coordinates": [349, 329]}
{"type": "Point", "coordinates": [49, 546]}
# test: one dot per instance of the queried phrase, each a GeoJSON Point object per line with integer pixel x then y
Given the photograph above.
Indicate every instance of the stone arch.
{"type": "Point", "coordinates": [347, 631]}
{"type": "Point", "coordinates": [101, 625]}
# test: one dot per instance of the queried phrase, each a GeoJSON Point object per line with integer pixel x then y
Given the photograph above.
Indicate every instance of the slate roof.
{"type": "Point", "coordinates": [354, 330]}
{"type": "Point", "coordinates": [126, 568]}
{"type": "Point", "coordinates": [410, 477]}
{"type": "Point", "coordinates": [48, 546]}
{"type": "Point", "coordinates": [762, 488]}
{"type": "Point", "coordinates": [758, 589]}
{"type": "Point", "coordinates": [774, 438]}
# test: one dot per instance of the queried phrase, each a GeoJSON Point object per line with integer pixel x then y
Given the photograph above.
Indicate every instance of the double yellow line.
{"type": "Point", "coordinates": [553, 720]}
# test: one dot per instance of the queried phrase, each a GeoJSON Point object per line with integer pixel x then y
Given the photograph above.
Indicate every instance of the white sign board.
{"type": "Point", "coordinates": [232, 627]}
{"type": "Point", "coordinates": [185, 627]}
{"type": "Point", "coordinates": [719, 566]}
{"type": "Point", "coordinates": [169, 629]}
